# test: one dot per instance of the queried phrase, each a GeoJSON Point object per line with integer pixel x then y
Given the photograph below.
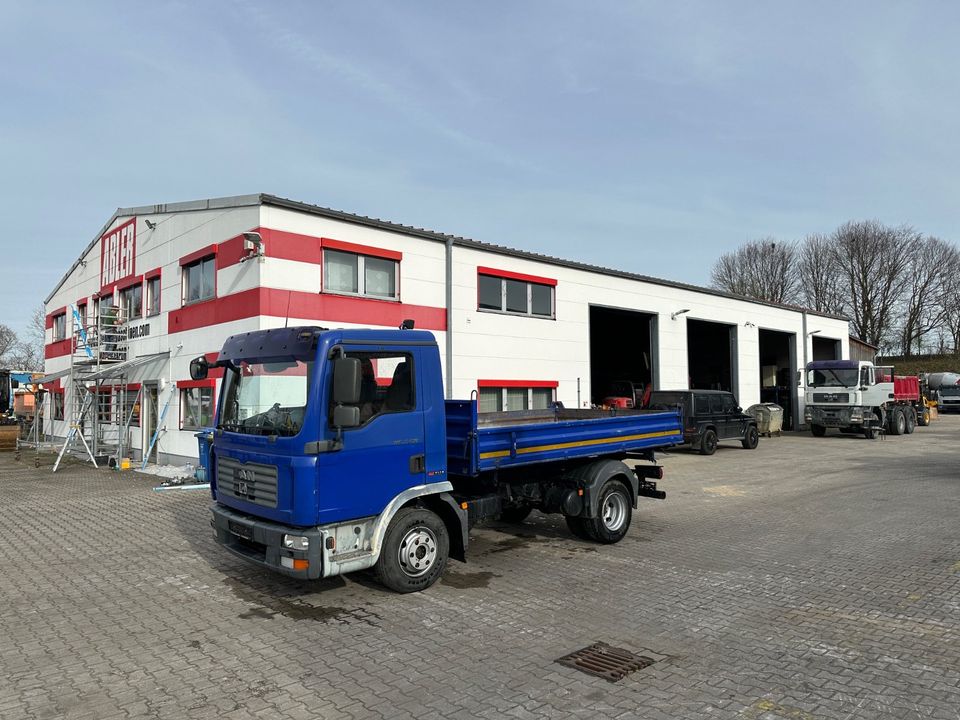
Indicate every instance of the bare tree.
{"type": "Point", "coordinates": [949, 300]}
{"type": "Point", "coordinates": [923, 310]}
{"type": "Point", "coordinates": [763, 269]}
{"type": "Point", "coordinates": [8, 341]}
{"type": "Point", "coordinates": [820, 278]}
{"type": "Point", "coordinates": [27, 353]}
{"type": "Point", "coordinates": [874, 259]}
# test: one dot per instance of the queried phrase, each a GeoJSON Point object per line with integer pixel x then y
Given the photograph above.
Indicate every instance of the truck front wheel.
{"type": "Point", "coordinates": [818, 430]}
{"type": "Point", "coordinates": [614, 512]}
{"type": "Point", "coordinates": [414, 552]}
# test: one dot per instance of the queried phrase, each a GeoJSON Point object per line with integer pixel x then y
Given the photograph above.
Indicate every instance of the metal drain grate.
{"type": "Point", "coordinates": [606, 661]}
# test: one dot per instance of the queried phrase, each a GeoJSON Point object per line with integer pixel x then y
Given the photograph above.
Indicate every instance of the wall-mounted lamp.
{"type": "Point", "coordinates": [83, 263]}
{"type": "Point", "coordinates": [150, 225]}
{"type": "Point", "coordinates": [252, 246]}
{"type": "Point", "coordinates": [812, 332]}
{"type": "Point", "coordinates": [674, 316]}
{"type": "Point", "coordinates": [749, 324]}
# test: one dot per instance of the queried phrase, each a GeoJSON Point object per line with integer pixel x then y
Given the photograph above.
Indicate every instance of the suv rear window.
{"type": "Point", "coordinates": [701, 404]}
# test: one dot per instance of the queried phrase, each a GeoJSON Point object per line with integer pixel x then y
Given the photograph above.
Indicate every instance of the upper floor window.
{"type": "Point", "coordinates": [82, 312]}
{"type": "Point", "coordinates": [60, 326]}
{"type": "Point", "coordinates": [153, 296]}
{"type": "Point", "coordinates": [357, 274]}
{"type": "Point", "coordinates": [199, 280]}
{"type": "Point", "coordinates": [131, 301]}
{"type": "Point", "coordinates": [500, 291]}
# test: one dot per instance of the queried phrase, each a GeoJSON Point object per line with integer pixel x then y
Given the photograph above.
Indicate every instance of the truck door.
{"type": "Point", "coordinates": [384, 455]}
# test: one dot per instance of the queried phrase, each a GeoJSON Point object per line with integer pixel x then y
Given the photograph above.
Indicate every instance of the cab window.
{"type": "Point", "coordinates": [716, 404]}
{"type": "Point", "coordinates": [387, 384]}
{"type": "Point", "coordinates": [729, 403]}
{"type": "Point", "coordinates": [701, 405]}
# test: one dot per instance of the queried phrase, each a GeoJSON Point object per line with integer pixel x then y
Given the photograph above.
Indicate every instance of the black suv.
{"type": "Point", "coordinates": [708, 417]}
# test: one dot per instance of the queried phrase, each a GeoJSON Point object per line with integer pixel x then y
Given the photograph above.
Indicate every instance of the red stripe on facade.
{"type": "Point", "coordinates": [186, 384]}
{"type": "Point", "coordinates": [152, 274]}
{"type": "Point", "coordinates": [510, 275]}
{"type": "Point", "coordinates": [518, 383]}
{"type": "Point", "coordinates": [58, 348]}
{"type": "Point", "coordinates": [52, 315]}
{"type": "Point", "coordinates": [129, 282]}
{"type": "Point", "coordinates": [207, 251]}
{"type": "Point", "coordinates": [319, 307]}
{"type": "Point", "coordinates": [276, 244]}
{"type": "Point", "coordinates": [361, 249]}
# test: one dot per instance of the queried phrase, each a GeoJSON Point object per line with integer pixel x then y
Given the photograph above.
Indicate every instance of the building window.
{"type": "Point", "coordinates": [497, 399]}
{"type": "Point", "coordinates": [57, 400]}
{"type": "Point", "coordinates": [355, 274]}
{"type": "Point", "coordinates": [82, 312]}
{"type": "Point", "coordinates": [131, 301]}
{"type": "Point", "coordinates": [131, 407]}
{"type": "Point", "coordinates": [105, 406]}
{"type": "Point", "coordinates": [60, 327]}
{"type": "Point", "coordinates": [153, 296]}
{"type": "Point", "coordinates": [515, 295]}
{"type": "Point", "coordinates": [196, 408]}
{"type": "Point", "coordinates": [199, 280]}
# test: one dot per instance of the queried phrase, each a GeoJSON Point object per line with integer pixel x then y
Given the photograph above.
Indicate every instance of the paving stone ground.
{"type": "Point", "coordinates": [811, 578]}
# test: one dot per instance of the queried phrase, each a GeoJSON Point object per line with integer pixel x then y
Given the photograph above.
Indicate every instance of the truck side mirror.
{"type": "Point", "coordinates": [199, 368]}
{"type": "Point", "coordinates": [15, 384]}
{"type": "Point", "coordinates": [346, 383]}
{"type": "Point", "coordinates": [346, 416]}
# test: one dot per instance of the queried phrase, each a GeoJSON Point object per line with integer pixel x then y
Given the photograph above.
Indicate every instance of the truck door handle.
{"type": "Point", "coordinates": [417, 464]}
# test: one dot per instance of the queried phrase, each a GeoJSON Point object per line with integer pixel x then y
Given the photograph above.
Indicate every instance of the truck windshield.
{"type": "Point", "coordinates": [833, 377]}
{"type": "Point", "coordinates": [267, 398]}
{"type": "Point", "coordinates": [951, 391]}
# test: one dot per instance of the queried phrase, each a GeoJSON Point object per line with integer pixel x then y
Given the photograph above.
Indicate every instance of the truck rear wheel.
{"type": "Point", "coordinates": [614, 512]}
{"type": "Point", "coordinates": [898, 423]}
{"type": "Point", "coordinates": [818, 430]}
{"type": "Point", "coordinates": [911, 421]}
{"type": "Point", "coordinates": [414, 552]}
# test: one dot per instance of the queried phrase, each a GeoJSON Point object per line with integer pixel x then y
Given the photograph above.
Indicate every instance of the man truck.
{"type": "Point", "coordinates": [857, 397]}
{"type": "Point", "coordinates": [334, 451]}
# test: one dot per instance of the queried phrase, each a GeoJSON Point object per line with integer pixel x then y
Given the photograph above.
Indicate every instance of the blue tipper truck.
{"type": "Point", "coordinates": [335, 451]}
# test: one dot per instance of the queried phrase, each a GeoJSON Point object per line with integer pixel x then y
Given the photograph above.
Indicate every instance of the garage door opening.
{"type": "Point", "coordinates": [778, 372]}
{"type": "Point", "coordinates": [711, 349]}
{"type": "Point", "coordinates": [621, 351]}
{"type": "Point", "coordinates": [826, 348]}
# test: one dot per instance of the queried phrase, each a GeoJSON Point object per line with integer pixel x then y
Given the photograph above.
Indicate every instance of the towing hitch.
{"type": "Point", "coordinates": [647, 487]}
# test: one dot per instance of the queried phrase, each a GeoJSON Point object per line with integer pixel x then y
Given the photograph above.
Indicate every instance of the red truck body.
{"type": "Point", "coordinates": [906, 388]}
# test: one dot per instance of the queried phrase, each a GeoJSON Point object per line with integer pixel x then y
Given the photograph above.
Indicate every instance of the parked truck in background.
{"type": "Point", "coordinates": [857, 397]}
{"type": "Point", "coordinates": [946, 387]}
{"type": "Point", "coordinates": [335, 451]}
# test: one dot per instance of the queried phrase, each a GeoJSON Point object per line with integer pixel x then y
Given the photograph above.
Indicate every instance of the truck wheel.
{"type": "Point", "coordinates": [923, 419]}
{"type": "Point", "coordinates": [578, 526]}
{"type": "Point", "coordinates": [870, 433]}
{"type": "Point", "coordinates": [898, 423]}
{"type": "Point", "coordinates": [614, 511]}
{"type": "Point", "coordinates": [414, 552]}
{"type": "Point", "coordinates": [911, 421]}
{"type": "Point", "coordinates": [708, 443]}
{"type": "Point", "coordinates": [751, 439]}
{"type": "Point", "coordinates": [515, 514]}
{"type": "Point", "coordinates": [818, 430]}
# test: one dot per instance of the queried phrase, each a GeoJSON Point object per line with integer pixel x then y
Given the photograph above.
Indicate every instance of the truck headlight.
{"type": "Point", "coordinates": [856, 413]}
{"type": "Point", "coordinates": [296, 542]}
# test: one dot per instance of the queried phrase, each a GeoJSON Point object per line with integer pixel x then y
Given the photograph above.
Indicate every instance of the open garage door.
{"type": "Point", "coordinates": [622, 351]}
{"type": "Point", "coordinates": [711, 355]}
{"type": "Point", "coordinates": [778, 373]}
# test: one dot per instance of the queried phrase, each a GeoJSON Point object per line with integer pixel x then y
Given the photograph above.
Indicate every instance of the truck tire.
{"type": "Point", "coordinates": [923, 417]}
{"type": "Point", "coordinates": [911, 417]}
{"type": "Point", "coordinates": [614, 512]}
{"type": "Point", "coordinates": [751, 439]}
{"type": "Point", "coordinates": [708, 443]}
{"type": "Point", "coordinates": [898, 423]}
{"type": "Point", "coordinates": [578, 526]}
{"type": "Point", "coordinates": [414, 551]}
{"type": "Point", "coordinates": [818, 430]}
{"type": "Point", "coordinates": [870, 433]}
{"type": "Point", "coordinates": [515, 514]}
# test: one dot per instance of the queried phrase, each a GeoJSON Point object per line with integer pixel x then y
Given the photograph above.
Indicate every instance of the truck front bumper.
{"type": "Point", "coordinates": [261, 542]}
{"type": "Point", "coordinates": [833, 416]}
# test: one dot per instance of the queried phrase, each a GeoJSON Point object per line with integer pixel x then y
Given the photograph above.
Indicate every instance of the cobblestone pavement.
{"type": "Point", "coordinates": [811, 578]}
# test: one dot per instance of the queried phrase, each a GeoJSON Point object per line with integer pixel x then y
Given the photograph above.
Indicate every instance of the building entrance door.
{"type": "Point", "coordinates": [151, 394]}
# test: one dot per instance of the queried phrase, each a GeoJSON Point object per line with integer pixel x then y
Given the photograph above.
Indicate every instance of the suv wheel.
{"type": "Point", "coordinates": [818, 430]}
{"type": "Point", "coordinates": [708, 443]}
{"type": "Point", "coordinates": [751, 439]}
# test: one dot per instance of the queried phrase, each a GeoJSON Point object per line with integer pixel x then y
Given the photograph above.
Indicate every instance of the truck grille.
{"type": "Point", "coordinates": [831, 397]}
{"type": "Point", "coordinates": [252, 482]}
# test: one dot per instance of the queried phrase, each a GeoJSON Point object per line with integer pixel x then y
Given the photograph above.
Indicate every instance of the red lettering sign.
{"type": "Point", "coordinates": [118, 252]}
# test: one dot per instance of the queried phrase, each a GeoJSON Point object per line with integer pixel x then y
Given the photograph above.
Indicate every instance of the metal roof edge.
{"type": "Point", "coordinates": [525, 254]}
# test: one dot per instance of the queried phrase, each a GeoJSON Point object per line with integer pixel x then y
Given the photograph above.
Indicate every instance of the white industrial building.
{"type": "Point", "coordinates": [162, 284]}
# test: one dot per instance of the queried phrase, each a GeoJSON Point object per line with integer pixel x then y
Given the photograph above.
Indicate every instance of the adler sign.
{"type": "Point", "coordinates": [118, 251]}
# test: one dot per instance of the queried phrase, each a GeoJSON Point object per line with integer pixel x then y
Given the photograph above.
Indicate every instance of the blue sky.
{"type": "Point", "coordinates": [647, 136]}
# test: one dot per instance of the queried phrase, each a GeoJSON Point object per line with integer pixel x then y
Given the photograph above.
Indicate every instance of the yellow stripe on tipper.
{"type": "Point", "coordinates": [578, 443]}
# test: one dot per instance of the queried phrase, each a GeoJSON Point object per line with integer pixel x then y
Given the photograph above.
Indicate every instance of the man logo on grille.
{"type": "Point", "coordinates": [244, 479]}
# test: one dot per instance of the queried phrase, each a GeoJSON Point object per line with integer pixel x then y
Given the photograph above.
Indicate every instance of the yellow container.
{"type": "Point", "coordinates": [124, 463]}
